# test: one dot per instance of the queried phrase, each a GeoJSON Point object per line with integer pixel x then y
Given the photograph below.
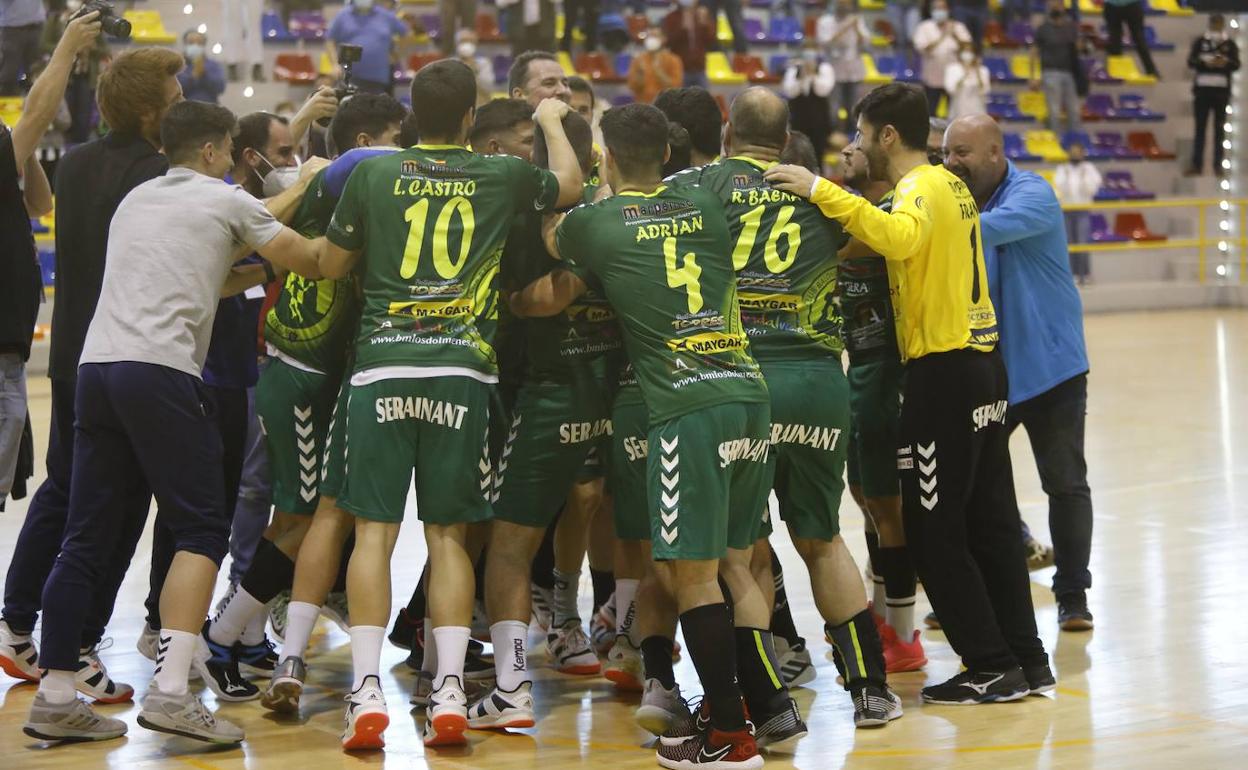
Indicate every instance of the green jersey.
{"type": "Point", "coordinates": [431, 222]}
{"type": "Point", "coordinates": [866, 305]}
{"type": "Point", "coordinates": [784, 252]}
{"type": "Point", "coordinates": [311, 322]}
{"type": "Point", "coordinates": [662, 261]}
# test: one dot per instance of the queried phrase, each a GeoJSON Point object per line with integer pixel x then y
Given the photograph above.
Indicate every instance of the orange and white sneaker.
{"type": "Point", "coordinates": [92, 679]}
{"type": "Point", "coordinates": [366, 718]}
{"type": "Point", "coordinates": [503, 709]}
{"type": "Point", "coordinates": [18, 656]}
{"type": "Point", "coordinates": [447, 715]}
{"type": "Point", "coordinates": [899, 656]}
{"type": "Point", "coordinates": [624, 666]}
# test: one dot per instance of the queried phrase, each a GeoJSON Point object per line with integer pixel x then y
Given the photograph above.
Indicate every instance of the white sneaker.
{"type": "Point", "coordinates": [624, 666]}
{"type": "Point", "coordinates": [73, 721]}
{"type": "Point", "coordinates": [18, 656]}
{"type": "Point", "coordinates": [602, 627]}
{"type": "Point", "coordinates": [277, 616]}
{"type": "Point", "coordinates": [286, 686]}
{"type": "Point", "coordinates": [570, 650]}
{"type": "Point", "coordinates": [542, 599]}
{"type": "Point", "coordinates": [92, 679]}
{"type": "Point", "coordinates": [501, 709]}
{"type": "Point", "coordinates": [185, 715]}
{"type": "Point", "coordinates": [335, 610]}
{"type": "Point", "coordinates": [660, 708]}
{"type": "Point", "coordinates": [366, 717]}
{"type": "Point", "coordinates": [796, 666]}
{"type": "Point", "coordinates": [148, 644]}
{"type": "Point", "coordinates": [447, 715]}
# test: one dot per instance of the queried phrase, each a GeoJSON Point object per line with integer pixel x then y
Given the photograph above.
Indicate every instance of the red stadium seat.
{"type": "Point", "coordinates": [418, 60]}
{"type": "Point", "coordinates": [1145, 143]}
{"type": "Point", "coordinates": [752, 67]}
{"type": "Point", "coordinates": [487, 28]}
{"type": "Point", "coordinates": [598, 67]}
{"type": "Point", "coordinates": [637, 25]}
{"type": "Point", "coordinates": [295, 68]}
{"type": "Point", "coordinates": [1131, 225]}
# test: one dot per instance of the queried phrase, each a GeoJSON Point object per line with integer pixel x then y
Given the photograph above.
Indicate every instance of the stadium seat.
{"type": "Point", "coordinates": [621, 99]}
{"type": "Point", "coordinates": [1087, 7]}
{"type": "Point", "coordinates": [1048, 175]}
{"type": "Point", "coordinates": [1020, 66]}
{"type": "Point", "coordinates": [1151, 40]}
{"type": "Point", "coordinates": [1168, 7]}
{"type": "Point", "coordinates": [1131, 226]}
{"type": "Point", "coordinates": [1099, 232]}
{"type": "Point", "coordinates": [1133, 107]}
{"type": "Point", "coordinates": [1092, 150]}
{"type": "Point", "coordinates": [324, 66]}
{"type": "Point", "coordinates": [1121, 184]}
{"type": "Point", "coordinates": [871, 5]}
{"type": "Point", "coordinates": [637, 25]}
{"type": "Point", "coordinates": [999, 70]}
{"type": "Point", "coordinates": [502, 66]}
{"type": "Point", "coordinates": [418, 60]}
{"type": "Point", "coordinates": [11, 110]}
{"type": "Point", "coordinates": [487, 28]}
{"type": "Point", "coordinates": [597, 67]}
{"type": "Point", "coordinates": [718, 70]}
{"type": "Point", "coordinates": [778, 63]}
{"type": "Point", "coordinates": [995, 37]}
{"type": "Point", "coordinates": [1095, 68]}
{"type": "Point", "coordinates": [432, 23]}
{"type": "Point", "coordinates": [1016, 150]}
{"type": "Point", "coordinates": [754, 31]}
{"type": "Point", "coordinates": [1125, 69]}
{"type": "Point", "coordinates": [895, 67]}
{"type": "Point", "coordinates": [785, 31]}
{"type": "Point", "coordinates": [752, 67]}
{"type": "Point", "coordinates": [274, 29]}
{"type": "Point", "coordinates": [296, 68]}
{"type": "Point", "coordinates": [1033, 103]}
{"type": "Point", "coordinates": [1145, 143]}
{"type": "Point", "coordinates": [565, 61]}
{"type": "Point", "coordinates": [723, 30]}
{"type": "Point", "coordinates": [882, 34]}
{"type": "Point", "coordinates": [148, 27]}
{"type": "Point", "coordinates": [872, 74]}
{"type": "Point", "coordinates": [1111, 144]}
{"type": "Point", "coordinates": [1021, 33]}
{"type": "Point", "coordinates": [623, 61]}
{"type": "Point", "coordinates": [1093, 34]}
{"type": "Point", "coordinates": [308, 25]}
{"type": "Point", "coordinates": [1004, 107]}
{"type": "Point", "coordinates": [1044, 143]}
{"type": "Point", "coordinates": [1099, 107]}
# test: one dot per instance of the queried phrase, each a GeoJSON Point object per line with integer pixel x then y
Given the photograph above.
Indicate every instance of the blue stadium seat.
{"type": "Point", "coordinates": [1004, 107]}
{"type": "Point", "coordinates": [1016, 150]}
{"type": "Point", "coordinates": [999, 70]}
{"type": "Point", "coordinates": [1093, 150]}
{"type": "Point", "coordinates": [1133, 107]}
{"type": "Point", "coordinates": [273, 29]}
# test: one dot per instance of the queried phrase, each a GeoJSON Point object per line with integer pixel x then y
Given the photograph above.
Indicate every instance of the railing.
{"type": "Point", "coordinates": [1238, 210]}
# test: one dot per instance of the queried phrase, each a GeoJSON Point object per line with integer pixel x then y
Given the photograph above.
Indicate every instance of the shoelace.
{"type": "Point", "coordinates": [198, 712]}
{"type": "Point", "coordinates": [93, 654]}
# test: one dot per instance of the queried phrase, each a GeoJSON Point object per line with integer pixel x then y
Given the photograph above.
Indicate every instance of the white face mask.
{"type": "Point", "coordinates": [466, 50]}
{"type": "Point", "coordinates": [73, 6]}
{"type": "Point", "coordinates": [278, 180]}
{"type": "Point", "coordinates": [967, 57]}
{"type": "Point", "coordinates": [653, 44]}
{"type": "Point", "coordinates": [194, 51]}
{"type": "Point", "coordinates": [940, 14]}
{"type": "Point", "coordinates": [364, 5]}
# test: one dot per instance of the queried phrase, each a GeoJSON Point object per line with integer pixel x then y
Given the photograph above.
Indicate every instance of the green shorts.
{"type": "Point", "coordinates": [809, 431]}
{"type": "Point", "coordinates": [295, 407]}
{"type": "Point", "coordinates": [626, 468]}
{"type": "Point", "coordinates": [875, 407]}
{"type": "Point", "coordinates": [554, 427]}
{"type": "Point", "coordinates": [334, 462]}
{"type": "Point", "coordinates": [706, 479]}
{"type": "Point", "coordinates": [433, 427]}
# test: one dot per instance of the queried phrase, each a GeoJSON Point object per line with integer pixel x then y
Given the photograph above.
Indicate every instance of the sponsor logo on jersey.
{"type": "Point", "coordinates": [813, 436]}
{"type": "Point", "coordinates": [433, 308]}
{"type": "Point", "coordinates": [743, 181]}
{"type": "Point", "coordinates": [707, 320]}
{"type": "Point", "coordinates": [981, 416]}
{"type": "Point", "coordinates": [636, 212]}
{"type": "Point", "coordinates": [636, 448]}
{"type": "Point", "coordinates": [708, 343]}
{"type": "Point", "coordinates": [753, 301]}
{"type": "Point", "coordinates": [576, 432]}
{"type": "Point", "coordinates": [747, 449]}
{"type": "Point", "coordinates": [392, 408]}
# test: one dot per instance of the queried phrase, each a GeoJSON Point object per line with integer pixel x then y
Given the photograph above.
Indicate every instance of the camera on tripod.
{"type": "Point", "coordinates": [111, 24]}
{"type": "Point", "coordinates": [348, 56]}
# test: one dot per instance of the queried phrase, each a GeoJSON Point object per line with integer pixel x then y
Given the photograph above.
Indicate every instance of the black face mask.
{"type": "Point", "coordinates": [936, 157]}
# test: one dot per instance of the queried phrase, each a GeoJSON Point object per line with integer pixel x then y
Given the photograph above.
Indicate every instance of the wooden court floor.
{"type": "Point", "coordinates": [1161, 683]}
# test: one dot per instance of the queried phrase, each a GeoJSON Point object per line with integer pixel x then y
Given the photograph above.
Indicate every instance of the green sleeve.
{"type": "Point", "coordinates": [346, 229]}
{"type": "Point", "coordinates": [536, 189]}
{"type": "Point", "coordinates": [573, 247]}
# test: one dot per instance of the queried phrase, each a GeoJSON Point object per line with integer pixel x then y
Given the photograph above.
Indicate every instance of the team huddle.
{"type": "Point", "coordinates": [537, 334]}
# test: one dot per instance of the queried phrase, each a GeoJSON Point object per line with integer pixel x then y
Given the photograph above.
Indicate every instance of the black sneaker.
{"type": "Point", "coordinates": [1072, 612]}
{"type": "Point", "coordinates": [931, 621]}
{"type": "Point", "coordinates": [219, 669]}
{"type": "Point", "coordinates": [1040, 678]}
{"type": "Point", "coordinates": [416, 659]}
{"type": "Point", "coordinates": [691, 723]}
{"type": "Point", "coordinates": [256, 659]}
{"type": "Point", "coordinates": [969, 688]}
{"type": "Point", "coordinates": [403, 634]}
{"type": "Point", "coordinates": [875, 706]}
{"type": "Point", "coordinates": [780, 732]}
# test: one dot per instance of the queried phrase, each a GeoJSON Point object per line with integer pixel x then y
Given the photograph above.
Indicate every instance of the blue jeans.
{"type": "Point", "coordinates": [1054, 421]}
{"type": "Point", "coordinates": [1079, 230]}
{"type": "Point", "coordinates": [1060, 93]}
{"type": "Point", "coordinates": [12, 417]}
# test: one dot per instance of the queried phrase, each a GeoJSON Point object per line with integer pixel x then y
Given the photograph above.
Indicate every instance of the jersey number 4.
{"type": "Point", "coordinates": [417, 216]}
{"type": "Point", "coordinates": [683, 272]}
{"type": "Point", "coordinates": [783, 226]}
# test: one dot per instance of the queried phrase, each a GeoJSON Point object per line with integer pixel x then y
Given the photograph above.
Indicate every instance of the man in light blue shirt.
{"type": "Point", "coordinates": [1041, 321]}
{"type": "Point", "coordinates": [373, 29]}
{"type": "Point", "coordinates": [21, 27]}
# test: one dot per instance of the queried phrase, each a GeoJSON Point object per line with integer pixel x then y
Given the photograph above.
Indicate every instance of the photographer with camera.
{"type": "Point", "coordinates": [361, 44]}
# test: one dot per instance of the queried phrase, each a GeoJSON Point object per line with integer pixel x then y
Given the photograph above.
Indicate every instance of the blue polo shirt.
{"type": "Point", "coordinates": [374, 31]}
{"type": "Point", "coordinates": [1038, 307]}
{"type": "Point", "coordinates": [21, 13]}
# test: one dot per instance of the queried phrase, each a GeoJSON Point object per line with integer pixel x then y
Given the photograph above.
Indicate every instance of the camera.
{"type": "Point", "coordinates": [110, 23]}
{"type": "Point", "coordinates": [348, 56]}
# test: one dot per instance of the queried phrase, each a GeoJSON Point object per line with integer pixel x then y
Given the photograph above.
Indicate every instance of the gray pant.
{"type": "Point", "coordinates": [12, 417]}
{"type": "Point", "coordinates": [251, 513]}
{"type": "Point", "coordinates": [1060, 94]}
{"type": "Point", "coordinates": [19, 50]}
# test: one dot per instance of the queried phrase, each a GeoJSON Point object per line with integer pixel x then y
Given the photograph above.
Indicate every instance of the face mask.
{"type": "Point", "coordinates": [278, 179]}
{"type": "Point", "coordinates": [940, 15]}
{"type": "Point", "coordinates": [810, 56]}
{"type": "Point", "coordinates": [194, 51]}
{"type": "Point", "coordinates": [653, 44]}
{"type": "Point", "coordinates": [364, 5]}
{"type": "Point", "coordinates": [967, 57]}
{"type": "Point", "coordinates": [686, 3]}
{"type": "Point", "coordinates": [936, 157]}
{"type": "Point", "coordinates": [466, 50]}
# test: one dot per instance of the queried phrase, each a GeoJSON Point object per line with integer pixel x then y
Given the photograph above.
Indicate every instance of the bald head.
{"type": "Point", "coordinates": [973, 151]}
{"type": "Point", "coordinates": [758, 118]}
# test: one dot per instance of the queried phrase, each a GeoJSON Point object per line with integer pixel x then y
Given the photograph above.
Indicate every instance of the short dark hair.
{"type": "Point", "coordinates": [253, 132]}
{"type": "Point", "coordinates": [518, 75]}
{"type": "Point", "coordinates": [636, 135]}
{"type": "Point", "coordinates": [681, 151]}
{"type": "Point", "coordinates": [759, 118]}
{"type": "Point", "coordinates": [409, 132]}
{"type": "Point", "coordinates": [579, 85]}
{"type": "Point", "coordinates": [188, 126]}
{"type": "Point", "coordinates": [498, 116]}
{"type": "Point", "coordinates": [900, 105]}
{"type": "Point", "coordinates": [695, 109]}
{"type": "Point", "coordinates": [364, 113]}
{"type": "Point", "coordinates": [580, 136]}
{"type": "Point", "coordinates": [800, 151]}
{"type": "Point", "coordinates": [443, 92]}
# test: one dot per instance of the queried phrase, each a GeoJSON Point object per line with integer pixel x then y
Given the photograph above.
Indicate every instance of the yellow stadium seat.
{"type": "Point", "coordinates": [1048, 175]}
{"type": "Point", "coordinates": [723, 30]}
{"type": "Point", "coordinates": [871, 5]}
{"type": "Point", "coordinates": [1045, 144]}
{"type": "Point", "coordinates": [1020, 66]}
{"type": "Point", "coordinates": [325, 66]}
{"type": "Point", "coordinates": [871, 73]}
{"type": "Point", "coordinates": [10, 110]}
{"type": "Point", "coordinates": [560, 22]}
{"type": "Point", "coordinates": [1087, 7]}
{"type": "Point", "coordinates": [1033, 103]}
{"type": "Point", "coordinates": [148, 27]}
{"type": "Point", "coordinates": [718, 70]}
{"type": "Point", "coordinates": [565, 61]}
{"type": "Point", "coordinates": [1125, 69]}
{"type": "Point", "coordinates": [1171, 7]}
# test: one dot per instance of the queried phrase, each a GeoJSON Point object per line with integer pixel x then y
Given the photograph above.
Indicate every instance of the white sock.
{"type": "Point", "coordinates": [511, 664]}
{"type": "Point", "coordinates": [429, 662]}
{"type": "Point", "coordinates": [625, 607]}
{"type": "Point", "coordinates": [879, 598]}
{"type": "Point", "coordinates": [899, 613]}
{"type": "Point", "coordinates": [300, 620]}
{"type": "Point", "coordinates": [366, 653]}
{"type": "Point", "coordinates": [566, 585]}
{"type": "Point", "coordinates": [173, 660]}
{"type": "Point", "coordinates": [452, 644]}
{"type": "Point", "coordinates": [58, 687]}
{"type": "Point", "coordinates": [253, 632]}
{"type": "Point", "coordinates": [238, 612]}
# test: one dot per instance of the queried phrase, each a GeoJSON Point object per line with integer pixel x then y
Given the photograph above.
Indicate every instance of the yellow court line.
{"type": "Point", "coordinates": [197, 763]}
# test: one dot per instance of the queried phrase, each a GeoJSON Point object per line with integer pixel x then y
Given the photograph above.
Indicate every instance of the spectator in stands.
{"type": "Point", "coordinates": [938, 41]}
{"type": "Point", "coordinates": [1077, 181]}
{"type": "Point", "coordinates": [808, 81]}
{"type": "Point", "coordinates": [967, 82]}
{"type": "Point", "coordinates": [242, 38]}
{"type": "Point", "coordinates": [974, 14]}
{"type": "Point", "coordinates": [843, 35]}
{"type": "Point", "coordinates": [529, 24]}
{"type": "Point", "coordinates": [581, 98]}
{"type": "Point", "coordinates": [1055, 56]}
{"type": "Point", "coordinates": [582, 15]}
{"type": "Point", "coordinates": [80, 93]}
{"type": "Point", "coordinates": [904, 16]}
{"type": "Point", "coordinates": [457, 16]}
{"type": "Point", "coordinates": [377, 31]}
{"type": "Point", "coordinates": [1130, 13]}
{"type": "Point", "coordinates": [736, 22]}
{"type": "Point", "coordinates": [202, 80]}
{"type": "Point", "coordinates": [1214, 57]}
{"type": "Point", "coordinates": [690, 32]}
{"type": "Point", "coordinates": [698, 113]}
{"type": "Point", "coordinates": [466, 51]}
{"type": "Point", "coordinates": [655, 69]}
{"type": "Point", "coordinates": [21, 25]}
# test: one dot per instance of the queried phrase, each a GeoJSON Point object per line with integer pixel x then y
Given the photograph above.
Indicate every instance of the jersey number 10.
{"type": "Point", "coordinates": [417, 215]}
